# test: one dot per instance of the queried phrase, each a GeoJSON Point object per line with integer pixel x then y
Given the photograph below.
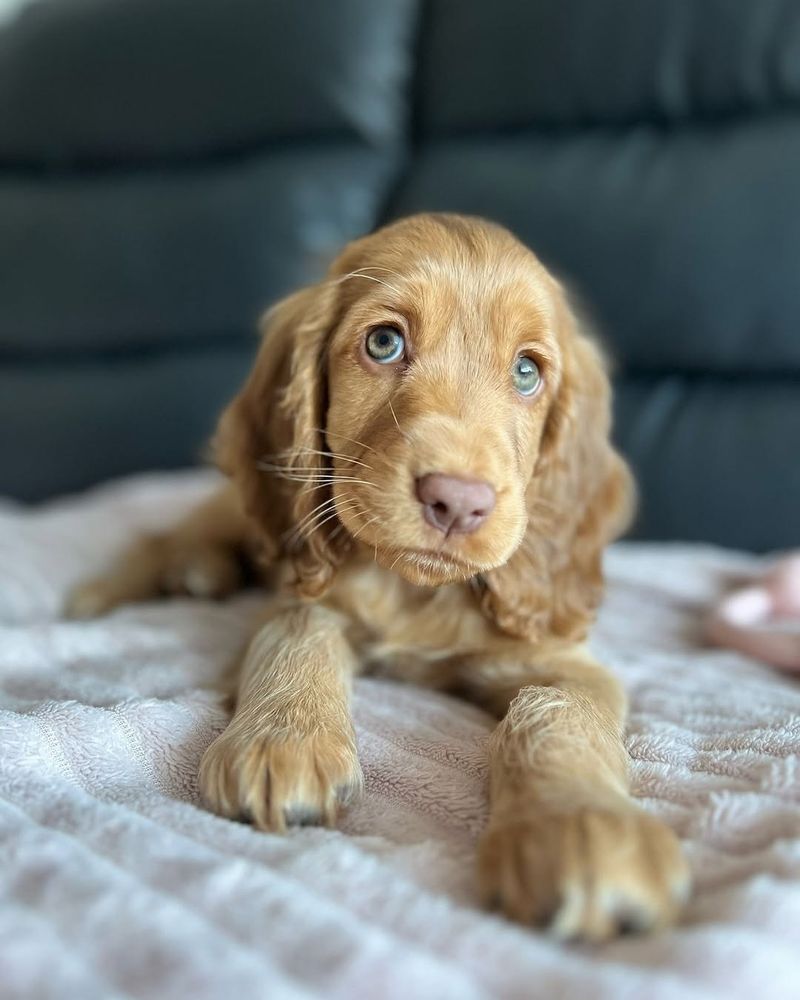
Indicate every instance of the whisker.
{"type": "Point", "coordinates": [316, 484]}
{"type": "Point", "coordinates": [290, 453]}
{"type": "Point", "coordinates": [325, 503]}
{"type": "Point", "coordinates": [330, 517]}
{"type": "Point", "coordinates": [305, 531]}
{"type": "Point", "coordinates": [363, 528]}
{"type": "Point", "coordinates": [341, 458]}
{"type": "Point", "coordinates": [354, 512]}
{"type": "Point", "coordinates": [291, 469]}
{"type": "Point", "coordinates": [376, 267]}
{"type": "Point", "coordinates": [313, 477]}
{"type": "Point", "coordinates": [369, 277]}
{"type": "Point", "coordinates": [320, 430]}
{"type": "Point", "coordinates": [397, 423]}
{"type": "Point", "coordinates": [336, 532]}
{"type": "Point", "coordinates": [319, 510]}
{"type": "Point", "coordinates": [293, 535]}
{"type": "Point", "coordinates": [397, 560]}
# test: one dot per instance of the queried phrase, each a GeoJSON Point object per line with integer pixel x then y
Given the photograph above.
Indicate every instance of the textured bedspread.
{"type": "Point", "coordinates": [115, 883]}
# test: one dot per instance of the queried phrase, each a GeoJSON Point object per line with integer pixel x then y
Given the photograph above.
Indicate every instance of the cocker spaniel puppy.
{"type": "Point", "coordinates": [420, 462]}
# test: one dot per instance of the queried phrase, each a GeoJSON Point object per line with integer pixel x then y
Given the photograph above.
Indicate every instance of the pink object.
{"type": "Point", "coordinates": [763, 620]}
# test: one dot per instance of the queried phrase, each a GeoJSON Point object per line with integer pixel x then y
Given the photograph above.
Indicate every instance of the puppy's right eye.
{"type": "Point", "coordinates": [526, 376]}
{"type": "Point", "coordinates": [385, 344]}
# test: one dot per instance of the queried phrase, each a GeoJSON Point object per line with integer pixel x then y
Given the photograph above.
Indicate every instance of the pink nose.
{"type": "Point", "coordinates": [456, 505]}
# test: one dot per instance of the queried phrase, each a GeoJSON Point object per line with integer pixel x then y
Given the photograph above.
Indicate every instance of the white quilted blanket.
{"type": "Point", "coordinates": [115, 883]}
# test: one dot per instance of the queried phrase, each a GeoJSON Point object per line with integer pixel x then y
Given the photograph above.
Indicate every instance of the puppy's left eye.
{"type": "Point", "coordinates": [526, 376]}
{"type": "Point", "coordinates": [385, 344]}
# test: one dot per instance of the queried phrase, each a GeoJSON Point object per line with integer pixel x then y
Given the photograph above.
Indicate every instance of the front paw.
{"type": "Point", "coordinates": [275, 781]}
{"type": "Point", "coordinates": [587, 875]}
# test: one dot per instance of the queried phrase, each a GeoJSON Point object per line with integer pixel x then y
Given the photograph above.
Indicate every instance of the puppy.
{"type": "Point", "coordinates": [420, 460]}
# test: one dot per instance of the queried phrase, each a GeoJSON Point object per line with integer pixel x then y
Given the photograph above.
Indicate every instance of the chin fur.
{"type": "Point", "coordinates": [425, 569]}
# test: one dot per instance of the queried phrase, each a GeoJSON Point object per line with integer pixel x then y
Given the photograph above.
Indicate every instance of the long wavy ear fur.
{"type": "Point", "coordinates": [270, 439]}
{"type": "Point", "coordinates": [580, 497]}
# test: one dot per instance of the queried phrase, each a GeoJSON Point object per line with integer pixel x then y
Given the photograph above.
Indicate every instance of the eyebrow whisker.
{"type": "Point", "coordinates": [379, 267]}
{"type": "Point", "coordinates": [369, 277]}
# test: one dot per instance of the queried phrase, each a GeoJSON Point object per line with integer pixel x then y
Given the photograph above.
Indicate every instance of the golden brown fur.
{"type": "Point", "coordinates": [323, 447]}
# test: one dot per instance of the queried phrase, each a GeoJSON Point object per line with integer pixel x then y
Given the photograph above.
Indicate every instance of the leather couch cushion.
{"type": "Point", "coordinates": [513, 63]}
{"type": "Point", "coordinates": [136, 80]}
{"type": "Point", "coordinates": [66, 424]}
{"type": "Point", "coordinates": [715, 458]}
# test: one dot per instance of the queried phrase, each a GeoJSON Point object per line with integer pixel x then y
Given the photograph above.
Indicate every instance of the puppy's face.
{"type": "Point", "coordinates": [434, 401]}
{"type": "Point", "coordinates": [441, 372]}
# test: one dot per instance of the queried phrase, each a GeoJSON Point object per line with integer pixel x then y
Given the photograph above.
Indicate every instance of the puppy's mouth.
{"type": "Point", "coordinates": [434, 562]}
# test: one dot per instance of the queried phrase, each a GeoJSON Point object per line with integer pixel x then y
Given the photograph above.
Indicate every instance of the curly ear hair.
{"type": "Point", "coordinates": [580, 497]}
{"type": "Point", "coordinates": [270, 439]}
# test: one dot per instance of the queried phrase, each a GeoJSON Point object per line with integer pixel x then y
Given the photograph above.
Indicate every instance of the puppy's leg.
{"type": "Point", "coordinates": [289, 753]}
{"type": "Point", "coordinates": [566, 847]}
{"type": "Point", "coordinates": [200, 556]}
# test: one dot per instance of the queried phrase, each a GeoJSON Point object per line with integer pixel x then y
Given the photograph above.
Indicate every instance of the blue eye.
{"type": "Point", "coordinates": [385, 344]}
{"type": "Point", "coordinates": [526, 376]}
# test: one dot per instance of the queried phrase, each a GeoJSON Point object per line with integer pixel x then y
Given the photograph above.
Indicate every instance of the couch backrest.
{"type": "Point", "coordinates": [168, 167]}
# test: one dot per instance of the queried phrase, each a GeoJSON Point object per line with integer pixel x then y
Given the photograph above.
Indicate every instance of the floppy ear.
{"type": "Point", "coordinates": [580, 497]}
{"type": "Point", "coordinates": [270, 440]}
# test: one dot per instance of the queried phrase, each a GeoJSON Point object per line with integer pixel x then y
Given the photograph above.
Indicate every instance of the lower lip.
{"type": "Point", "coordinates": [442, 557]}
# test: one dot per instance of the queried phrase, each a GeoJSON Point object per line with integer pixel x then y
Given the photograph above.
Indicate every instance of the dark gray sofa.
{"type": "Point", "coordinates": [169, 167]}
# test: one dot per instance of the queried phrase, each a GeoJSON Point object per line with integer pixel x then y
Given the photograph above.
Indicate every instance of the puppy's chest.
{"type": "Point", "coordinates": [399, 629]}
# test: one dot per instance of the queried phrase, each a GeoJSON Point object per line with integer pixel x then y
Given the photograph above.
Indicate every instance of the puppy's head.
{"type": "Point", "coordinates": [433, 401]}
